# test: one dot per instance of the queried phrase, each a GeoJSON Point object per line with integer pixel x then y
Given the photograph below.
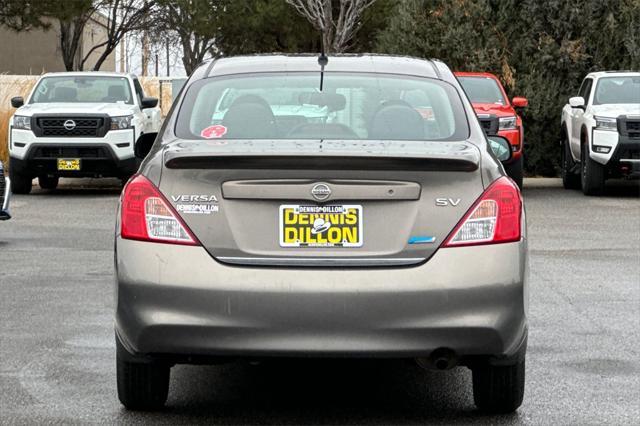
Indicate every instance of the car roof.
{"type": "Point", "coordinates": [600, 74]}
{"type": "Point", "coordinates": [87, 73]}
{"type": "Point", "coordinates": [384, 64]}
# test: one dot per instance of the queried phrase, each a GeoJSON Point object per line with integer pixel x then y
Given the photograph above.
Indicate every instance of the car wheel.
{"type": "Point", "coordinates": [142, 386]}
{"type": "Point", "coordinates": [514, 170]}
{"type": "Point", "coordinates": [570, 180]}
{"type": "Point", "coordinates": [499, 389]}
{"type": "Point", "coordinates": [20, 184]}
{"type": "Point", "coordinates": [48, 182]}
{"type": "Point", "coordinates": [593, 174]}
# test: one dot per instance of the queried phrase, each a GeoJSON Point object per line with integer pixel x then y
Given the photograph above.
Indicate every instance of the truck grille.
{"type": "Point", "coordinates": [42, 152]}
{"type": "Point", "coordinates": [489, 124]}
{"type": "Point", "coordinates": [76, 126]}
{"type": "Point", "coordinates": [629, 126]}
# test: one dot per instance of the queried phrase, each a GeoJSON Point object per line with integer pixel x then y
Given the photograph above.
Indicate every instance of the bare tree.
{"type": "Point", "coordinates": [193, 25]}
{"type": "Point", "coordinates": [336, 34]}
{"type": "Point", "coordinates": [71, 30]}
{"type": "Point", "coordinates": [119, 17]}
{"type": "Point", "coordinates": [122, 17]}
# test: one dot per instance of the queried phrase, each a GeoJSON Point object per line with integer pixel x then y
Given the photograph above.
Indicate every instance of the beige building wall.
{"type": "Point", "coordinates": [95, 33]}
{"type": "Point", "coordinates": [38, 51]}
{"type": "Point", "coordinates": [30, 52]}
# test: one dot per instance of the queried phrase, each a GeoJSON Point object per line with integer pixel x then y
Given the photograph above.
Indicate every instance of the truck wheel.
{"type": "Point", "coordinates": [48, 182]}
{"type": "Point", "coordinates": [498, 389]}
{"type": "Point", "coordinates": [142, 386]}
{"type": "Point", "coordinates": [570, 180]}
{"type": "Point", "coordinates": [593, 174]}
{"type": "Point", "coordinates": [514, 170]}
{"type": "Point", "coordinates": [20, 184]}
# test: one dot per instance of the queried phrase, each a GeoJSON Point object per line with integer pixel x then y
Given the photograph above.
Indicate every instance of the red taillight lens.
{"type": "Point", "coordinates": [147, 216]}
{"type": "Point", "coordinates": [495, 218]}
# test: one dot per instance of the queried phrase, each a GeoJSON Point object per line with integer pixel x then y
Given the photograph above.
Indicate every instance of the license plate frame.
{"type": "Point", "coordinates": [335, 230]}
{"type": "Point", "coordinates": [69, 164]}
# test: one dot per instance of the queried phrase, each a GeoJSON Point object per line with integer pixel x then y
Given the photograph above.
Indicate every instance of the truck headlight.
{"type": "Point", "coordinates": [120, 123]}
{"type": "Point", "coordinates": [606, 123]}
{"type": "Point", "coordinates": [21, 122]}
{"type": "Point", "coordinates": [507, 123]}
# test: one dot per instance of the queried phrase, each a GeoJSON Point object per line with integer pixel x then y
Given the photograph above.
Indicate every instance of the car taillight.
{"type": "Point", "coordinates": [494, 218]}
{"type": "Point", "coordinates": [148, 216]}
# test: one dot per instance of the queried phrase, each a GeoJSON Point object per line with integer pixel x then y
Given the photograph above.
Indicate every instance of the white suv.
{"type": "Point", "coordinates": [601, 131]}
{"type": "Point", "coordinates": [79, 124]}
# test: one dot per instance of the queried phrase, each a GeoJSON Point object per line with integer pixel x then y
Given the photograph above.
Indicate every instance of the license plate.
{"type": "Point", "coordinates": [320, 226]}
{"type": "Point", "coordinates": [68, 164]}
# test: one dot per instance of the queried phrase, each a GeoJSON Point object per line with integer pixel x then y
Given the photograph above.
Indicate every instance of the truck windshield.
{"type": "Point", "coordinates": [92, 89]}
{"type": "Point", "coordinates": [617, 90]}
{"type": "Point", "coordinates": [482, 90]}
{"type": "Point", "coordinates": [351, 106]}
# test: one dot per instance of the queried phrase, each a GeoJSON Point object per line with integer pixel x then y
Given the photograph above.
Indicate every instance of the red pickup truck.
{"type": "Point", "coordinates": [497, 114]}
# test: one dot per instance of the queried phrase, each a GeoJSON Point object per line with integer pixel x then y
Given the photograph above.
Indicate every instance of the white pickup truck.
{"type": "Point", "coordinates": [600, 136]}
{"type": "Point", "coordinates": [79, 124]}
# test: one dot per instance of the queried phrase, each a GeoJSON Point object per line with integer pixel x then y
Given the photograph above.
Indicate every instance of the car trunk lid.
{"type": "Point", "coordinates": [321, 203]}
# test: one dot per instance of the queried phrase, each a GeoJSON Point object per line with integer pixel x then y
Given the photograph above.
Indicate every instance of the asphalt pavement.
{"type": "Point", "coordinates": [57, 348]}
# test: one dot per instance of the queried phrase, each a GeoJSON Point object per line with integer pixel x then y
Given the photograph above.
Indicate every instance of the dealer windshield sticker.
{"type": "Point", "coordinates": [213, 132]}
{"type": "Point", "coordinates": [320, 226]}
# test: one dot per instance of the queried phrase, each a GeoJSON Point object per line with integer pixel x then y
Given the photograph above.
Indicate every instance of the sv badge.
{"type": "Point", "coordinates": [444, 202]}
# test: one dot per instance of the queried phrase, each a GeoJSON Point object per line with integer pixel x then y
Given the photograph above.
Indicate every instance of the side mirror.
{"type": "Point", "coordinates": [519, 102]}
{"type": "Point", "coordinates": [143, 146]}
{"type": "Point", "coordinates": [17, 101]}
{"type": "Point", "coordinates": [148, 103]}
{"type": "Point", "coordinates": [500, 147]}
{"type": "Point", "coordinates": [577, 102]}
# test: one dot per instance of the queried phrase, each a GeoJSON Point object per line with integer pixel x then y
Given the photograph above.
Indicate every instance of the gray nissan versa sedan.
{"type": "Point", "coordinates": [292, 206]}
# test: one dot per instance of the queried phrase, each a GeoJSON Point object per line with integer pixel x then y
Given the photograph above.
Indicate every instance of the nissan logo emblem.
{"type": "Point", "coordinates": [69, 125]}
{"type": "Point", "coordinates": [321, 191]}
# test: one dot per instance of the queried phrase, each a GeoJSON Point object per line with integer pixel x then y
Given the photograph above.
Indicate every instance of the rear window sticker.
{"type": "Point", "coordinates": [213, 132]}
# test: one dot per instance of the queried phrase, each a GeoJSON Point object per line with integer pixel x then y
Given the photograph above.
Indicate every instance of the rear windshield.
{"type": "Point", "coordinates": [617, 90]}
{"type": "Point", "coordinates": [92, 89]}
{"type": "Point", "coordinates": [350, 106]}
{"type": "Point", "coordinates": [482, 90]}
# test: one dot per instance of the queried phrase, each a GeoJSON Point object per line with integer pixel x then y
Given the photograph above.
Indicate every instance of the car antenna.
{"type": "Point", "coordinates": [322, 61]}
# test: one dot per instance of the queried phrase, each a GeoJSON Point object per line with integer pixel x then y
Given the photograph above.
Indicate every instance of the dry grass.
{"type": "Point", "coordinates": [10, 86]}
{"type": "Point", "coordinates": [151, 87]}
{"type": "Point", "coordinates": [18, 85]}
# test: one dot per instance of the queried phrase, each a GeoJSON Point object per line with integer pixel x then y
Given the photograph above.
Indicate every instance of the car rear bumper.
{"type": "Point", "coordinates": [177, 301]}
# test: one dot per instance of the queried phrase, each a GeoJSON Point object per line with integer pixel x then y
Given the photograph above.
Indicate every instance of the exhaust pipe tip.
{"type": "Point", "coordinates": [440, 359]}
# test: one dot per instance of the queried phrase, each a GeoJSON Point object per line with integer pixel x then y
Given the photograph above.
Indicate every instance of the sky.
{"type": "Point", "coordinates": [133, 55]}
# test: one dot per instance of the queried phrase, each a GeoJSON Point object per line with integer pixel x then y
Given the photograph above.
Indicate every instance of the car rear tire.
{"type": "Point", "coordinates": [499, 388]}
{"type": "Point", "coordinates": [570, 180]}
{"type": "Point", "coordinates": [142, 386]}
{"type": "Point", "coordinates": [48, 182]}
{"type": "Point", "coordinates": [593, 173]}
{"type": "Point", "coordinates": [20, 184]}
{"type": "Point", "coordinates": [515, 171]}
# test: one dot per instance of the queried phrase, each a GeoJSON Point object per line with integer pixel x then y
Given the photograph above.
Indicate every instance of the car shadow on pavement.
{"type": "Point", "coordinates": [83, 186]}
{"type": "Point", "coordinates": [622, 189]}
{"type": "Point", "coordinates": [615, 188]}
{"type": "Point", "coordinates": [319, 392]}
